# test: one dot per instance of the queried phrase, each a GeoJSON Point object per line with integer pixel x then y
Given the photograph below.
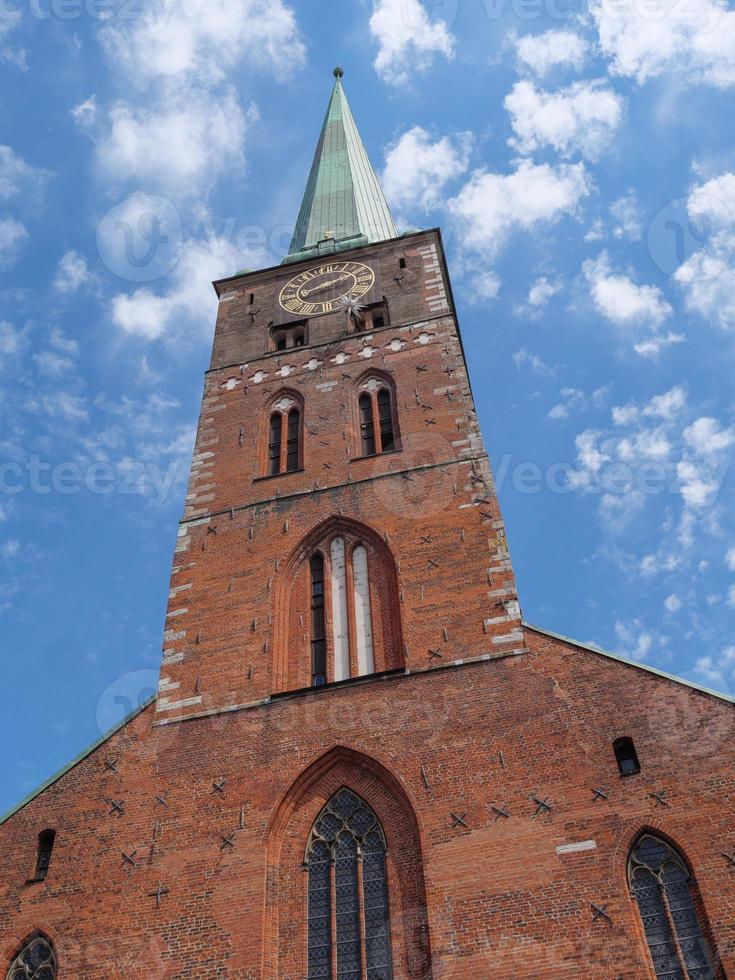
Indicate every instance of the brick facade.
{"type": "Point", "coordinates": [473, 717]}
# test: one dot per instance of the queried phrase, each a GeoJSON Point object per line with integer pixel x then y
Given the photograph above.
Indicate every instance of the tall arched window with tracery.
{"type": "Point", "coordinates": [36, 961]}
{"type": "Point", "coordinates": [667, 901]}
{"type": "Point", "coordinates": [341, 595]}
{"type": "Point", "coordinates": [337, 609]}
{"type": "Point", "coordinates": [284, 437]}
{"type": "Point", "coordinates": [348, 921]}
{"type": "Point", "coordinates": [377, 417]}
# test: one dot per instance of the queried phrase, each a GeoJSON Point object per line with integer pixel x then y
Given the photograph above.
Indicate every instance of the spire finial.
{"type": "Point", "coordinates": [338, 72]}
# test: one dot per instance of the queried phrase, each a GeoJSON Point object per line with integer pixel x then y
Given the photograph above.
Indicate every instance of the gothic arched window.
{"type": "Point", "coordinates": [376, 409]}
{"type": "Point", "coordinates": [663, 888]}
{"type": "Point", "coordinates": [341, 585]}
{"type": "Point", "coordinates": [337, 608]}
{"type": "Point", "coordinates": [36, 961]}
{"type": "Point", "coordinates": [348, 893]}
{"type": "Point", "coordinates": [285, 439]}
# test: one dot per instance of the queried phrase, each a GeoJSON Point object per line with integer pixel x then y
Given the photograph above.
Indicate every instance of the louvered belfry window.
{"type": "Point", "coordinates": [377, 418]}
{"type": "Point", "coordinates": [663, 889]}
{"type": "Point", "coordinates": [284, 438]}
{"type": "Point", "coordinates": [348, 923]}
{"type": "Point", "coordinates": [36, 961]}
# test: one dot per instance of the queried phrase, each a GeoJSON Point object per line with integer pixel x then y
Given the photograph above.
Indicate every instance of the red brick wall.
{"type": "Point", "coordinates": [485, 716]}
{"type": "Point", "coordinates": [432, 502]}
{"type": "Point", "coordinates": [501, 901]}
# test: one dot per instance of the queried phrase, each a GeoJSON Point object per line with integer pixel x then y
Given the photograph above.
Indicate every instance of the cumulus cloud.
{"type": "Point", "coordinates": [706, 437]}
{"type": "Point", "coordinates": [574, 400]}
{"type": "Point", "coordinates": [72, 272]}
{"type": "Point", "coordinates": [542, 52]}
{"type": "Point", "coordinates": [582, 118]}
{"type": "Point", "coordinates": [523, 358]}
{"type": "Point", "coordinates": [655, 447]}
{"type": "Point", "coordinates": [730, 559]}
{"type": "Point", "coordinates": [184, 143]}
{"type": "Point", "coordinates": [719, 668]}
{"type": "Point", "coordinates": [539, 294]}
{"type": "Point", "coordinates": [622, 301]}
{"type": "Point", "coordinates": [697, 40]}
{"type": "Point", "coordinates": [407, 38]}
{"type": "Point", "coordinates": [708, 276]}
{"type": "Point", "coordinates": [202, 39]}
{"type": "Point", "coordinates": [12, 236]}
{"type": "Point", "coordinates": [491, 206]}
{"type": "Point", "coordinates": [417, 168]}
{"type": "Point", "coordinates": [672, 603]}
{"type": "Point", "coordinates": [634, 641]}
{"type": "Point", "coordinates": [17, 176]}
{"type": "Point", "coordinates": [626, 213]}
{"type": "Point", "coordinates": [85, 113]}
{"type": "Point", "coordinates": [189, 298]}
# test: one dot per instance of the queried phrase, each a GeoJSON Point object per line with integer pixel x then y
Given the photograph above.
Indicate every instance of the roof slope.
{"type": "Point", "coordinates": [343, 202]}
{"type": "Point", "coordinates": [629, 663]}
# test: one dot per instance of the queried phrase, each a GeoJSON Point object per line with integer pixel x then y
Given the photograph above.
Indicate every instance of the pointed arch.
{"type": "Point", "coordinates": [358, 631]}
{"type": "Point", "coordinates": [290, 833]}
{"type": "Point", "coordinates": [663, 886]}
{"type": "Point", "coordinates": [375, 414]}
{"type": "Point", "coordinates": [35, 960]}
{"type": "Point", "coordinates": [282, 434]}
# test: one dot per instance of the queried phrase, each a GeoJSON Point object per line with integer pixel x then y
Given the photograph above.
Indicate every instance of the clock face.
{"type": "Point", "coordinates": [320, 289]}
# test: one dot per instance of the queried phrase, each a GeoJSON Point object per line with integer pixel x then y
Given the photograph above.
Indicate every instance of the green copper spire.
{"type": "Point", "coordinates": [344, 205]}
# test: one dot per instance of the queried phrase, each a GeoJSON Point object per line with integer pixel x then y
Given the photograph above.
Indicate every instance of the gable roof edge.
{"type": "Point", "coordinates": [75, 761]}
{"type": "Point", "coordinates": [630, 663]}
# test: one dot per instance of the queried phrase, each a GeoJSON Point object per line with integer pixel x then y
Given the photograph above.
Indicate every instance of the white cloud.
{"type": "Point", "coordinates": [574, 400]}
{"type": "Point", "coordinates": [652, 346]}
{"type": "Point", "coordinates": [486, 285]}
{"type": "Point", "coordinates": [582, 118]}
{"type": "Point", "coordinates": [11, 548]}
{"type": "Point", "coordinates": [85, 114]}
{"type": "Point", "coordinates": [731, 597]}
{"type": "Point", "coordinates": [627, 217]}
{"type": "Point", "coordinates": [17, 176]}
{"type": "Point", "coordinates": [708, 276]}
{"type": "Point", "coordinates": [696, 40]}
{"type": "Point", "coordinates": [622, 301]}
{"type": "Point", "coordinates": [417, 168]}
{"type": "Point", "coordinates": [58, 360]}
{"type": "Point", "coordinates": [697, 485]}
{"type": "Point", "coordinates": [187, 142]}
{"type": "Point", "coordinates": [59, 404]}
{"type": "Point", "coordinates": [52, 364]}
{"type": "Point", "coordinates": [668, 405]}
{"type": "Point", "coordinates": [707, 438]}
{"type": "Point", "coordinates": [407, 38]}
{"type": "Point", "coordinates": [524, 358]}
{"type": "Point", "coordinates": [200, 40]}
{"type": "Point", "coordinates": [541, 292]}
{"type": "Point", "coordinates": [10, 339]}
{"type": "Point", "coordinates": [190, 298]}
{"type": "Point", "coordinates": [12, 236]}
{"type": "Point", "coordinates": [730, 559]}
{"type": "Point", "coordinates": [72, 272]}
{"type": "Point", "coordinates": [672, 603]}
{"type": "Point", "coordinates": [541, 52]}
{"type": "Point", "coordinates": [719, 669]}
{"type": "Point", "coordinates": [490, 207]}
{"type": "Point", "coordinates": [634, 641]}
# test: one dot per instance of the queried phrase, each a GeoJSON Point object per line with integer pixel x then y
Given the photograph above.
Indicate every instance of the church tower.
{"type": "Point", "coordinates": [340, 503]}
{"type": "Point", "coordinates": [360, 763]}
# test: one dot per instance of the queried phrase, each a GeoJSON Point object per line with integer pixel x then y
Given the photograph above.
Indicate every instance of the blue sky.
{"type": "Point", "coordinates": [579, 159]}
